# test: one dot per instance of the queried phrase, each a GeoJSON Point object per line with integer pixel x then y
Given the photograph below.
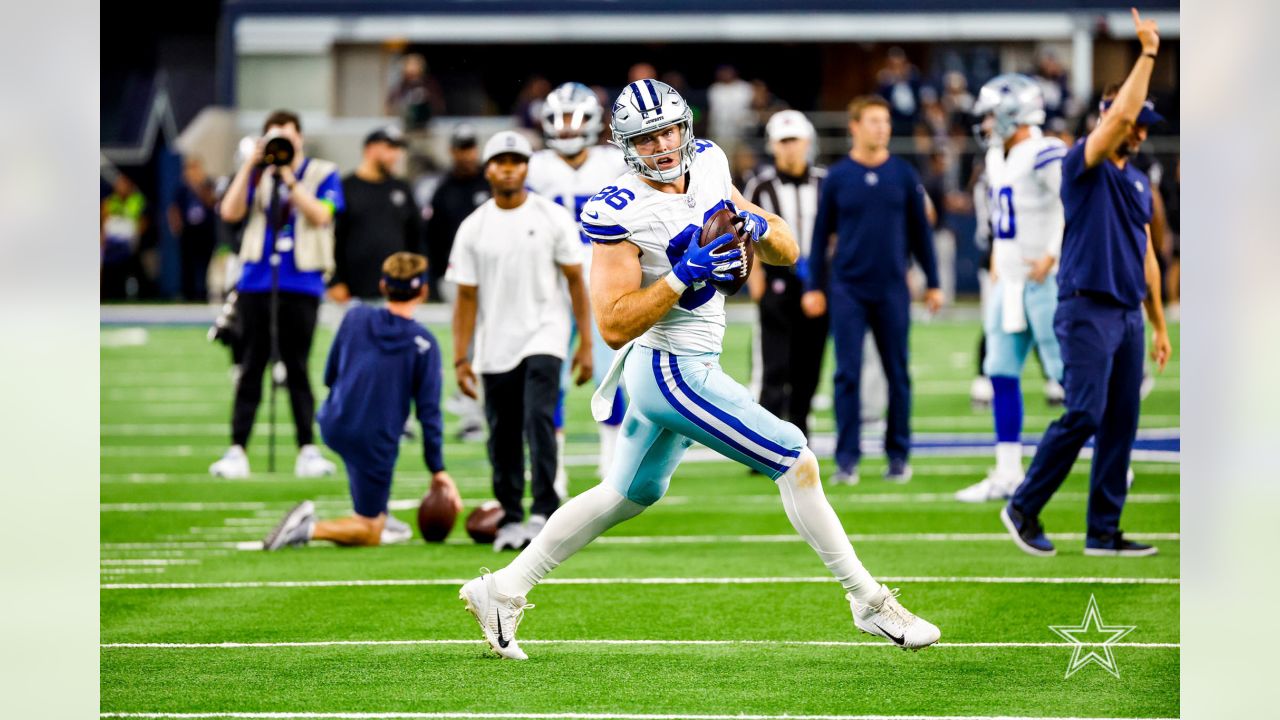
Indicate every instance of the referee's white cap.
{"type": "Point", "coordinates": [507, 141]}
{"type": "Point", "coordinates": [788, 124]}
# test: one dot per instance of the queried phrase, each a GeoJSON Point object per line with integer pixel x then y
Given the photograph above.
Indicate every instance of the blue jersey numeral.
{"type": "Point", "coordinates": [691, 298]}
{"type": "Point", "coordinates": [578, 202]}
{"type": "Point", "coordinates": [1004, 221]}
{"type": "Point", "coordinates": [700, 145]}
{"type": "Point", "coordinates": [617, 198]}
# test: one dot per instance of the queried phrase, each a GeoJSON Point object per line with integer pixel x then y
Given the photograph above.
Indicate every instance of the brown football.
{"type": "Point", "coordinates": [482, 523]}
{"type": "Point", "coordinates": [721, 222]}
{"type": "Point", "coordinates": [436, 517]}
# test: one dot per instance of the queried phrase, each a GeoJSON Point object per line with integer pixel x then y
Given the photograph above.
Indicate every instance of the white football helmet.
{"type": "Point", "coordinates": [585, 118]}
{"type": "Point", "coordinates": [643, 107]}
{"type": "Point", "coordinates": [1011, 99]}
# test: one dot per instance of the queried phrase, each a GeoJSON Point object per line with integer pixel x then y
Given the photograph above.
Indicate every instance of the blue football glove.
{"type": "Point", "coordinates": [711, 262]}
{"type": "Point", "coordinates": [753, 225]}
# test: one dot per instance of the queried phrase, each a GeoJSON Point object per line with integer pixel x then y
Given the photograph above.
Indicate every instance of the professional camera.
{"type": "Point", "coordinates": [279, 149]}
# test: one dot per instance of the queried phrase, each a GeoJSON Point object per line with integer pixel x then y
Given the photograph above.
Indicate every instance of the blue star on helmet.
{"type": "Point", "coordinates": [1006, 88]}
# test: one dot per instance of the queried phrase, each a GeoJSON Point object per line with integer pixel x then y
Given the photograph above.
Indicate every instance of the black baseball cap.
{"type": "Point", "coordinates": [390, 135]}
{"type": "Point", "coordinates": [463, 137]}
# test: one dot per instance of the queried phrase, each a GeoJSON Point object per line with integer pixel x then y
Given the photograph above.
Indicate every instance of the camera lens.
{"type": "Point", "coordinates": [278, 151]}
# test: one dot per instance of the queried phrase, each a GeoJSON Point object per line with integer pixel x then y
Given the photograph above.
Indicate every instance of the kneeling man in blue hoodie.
{"type": "Point", "coordinates": [381, 359]}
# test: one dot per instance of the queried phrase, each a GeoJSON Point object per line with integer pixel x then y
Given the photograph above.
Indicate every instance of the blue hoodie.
{"type": "Point", "coordinates": [377, 364]}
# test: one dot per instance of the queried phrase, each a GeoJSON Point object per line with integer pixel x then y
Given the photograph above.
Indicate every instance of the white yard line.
{"type": "Point", "coordinates": [558, 716]}
{"type": "Point", "coordinates": [745, 643]}
{"type": "Point", "coordinates": [417, 582]}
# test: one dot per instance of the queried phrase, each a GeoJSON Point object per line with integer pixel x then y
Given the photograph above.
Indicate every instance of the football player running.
{"type": "Point", "coordinates": [1023, 176]}
{"type": "Point", "coordinates": [653, 302]}
{"type": "Point", "coordinates": [569, 171]}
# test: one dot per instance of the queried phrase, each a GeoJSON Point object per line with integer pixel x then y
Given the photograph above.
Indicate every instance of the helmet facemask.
{"type": "Point", "coordinates": [637, 162]}
{"type": "Point", "coordinates": [584, 119]}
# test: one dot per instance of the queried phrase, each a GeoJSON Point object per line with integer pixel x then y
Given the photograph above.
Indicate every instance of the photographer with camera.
{"type": "Point", "coordinates": [287, 201]}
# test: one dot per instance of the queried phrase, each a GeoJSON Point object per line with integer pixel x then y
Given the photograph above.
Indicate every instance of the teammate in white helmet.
{"type": "Point", "coordinates": [571, 169]}
{"type": "Point", "coordinates": [653, 303]}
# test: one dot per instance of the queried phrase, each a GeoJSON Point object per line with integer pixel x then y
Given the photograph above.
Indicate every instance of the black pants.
{"type": "Point", "coordinates": [297, 326]}
{"type": "Point", "coordinates": [522, 403]}
{"type": "Point", "coordinates": [197, 252]}
{"type": "Point", "coordinates": [791, 349]}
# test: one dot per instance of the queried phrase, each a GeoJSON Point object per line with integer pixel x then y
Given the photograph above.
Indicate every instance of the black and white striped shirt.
{"type": "Point", "coordinates": [793, 198]}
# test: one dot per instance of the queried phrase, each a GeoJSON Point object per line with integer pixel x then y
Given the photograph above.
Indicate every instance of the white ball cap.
{"type": "Point", "coordinates": [507, 141]}
{"type": "Point", "coordinates": [787, 124]}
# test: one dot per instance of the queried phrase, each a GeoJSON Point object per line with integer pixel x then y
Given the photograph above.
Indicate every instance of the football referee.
{"type": "Point", "coordinates": [1107, 270]}
{"type": "Point", "coordinates": [791, 343]}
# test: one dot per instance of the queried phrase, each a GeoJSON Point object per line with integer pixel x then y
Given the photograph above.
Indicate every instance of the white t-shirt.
{"type": "Point", "coordinates": [513, 257]}
{"type": "Point", "coordinates": [661, 226]}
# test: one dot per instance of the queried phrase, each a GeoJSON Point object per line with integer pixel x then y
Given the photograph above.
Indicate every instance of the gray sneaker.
{"type": "Point", "coordinates": [899, 471]}
{"type": "Point", "coordinates": [294, 528]}
{"type": "Point", "coordinates": [533, 526]}
{"type": "Point", "coordinates": [511, 536]}
{"type": "Point", "coordinates": [395, 531]}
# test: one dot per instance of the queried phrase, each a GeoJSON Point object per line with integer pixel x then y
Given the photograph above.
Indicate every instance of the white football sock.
{"type": "Point", "coordinates": [1009, 459]}
{"type": "Point", "coordinates": [608, 440]}
{"type": "Point", "coordinates": [583, 519]}
{"type": "Point", "coordinates": [811, 515]}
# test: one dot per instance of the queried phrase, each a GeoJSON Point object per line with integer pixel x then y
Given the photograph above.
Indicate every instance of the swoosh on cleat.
{"type": "Point", "coordinates": [899, 640]}
{"type": "Point", "coordinates": [503, 642]}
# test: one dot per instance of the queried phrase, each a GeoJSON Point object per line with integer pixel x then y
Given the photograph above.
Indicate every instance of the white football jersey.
{"type": "Point", "coordinates": [661, 225]}
{"type": "Point", "coordinates": [1025, 207]}
{"type": "Point", "coordinates": [553, 178]}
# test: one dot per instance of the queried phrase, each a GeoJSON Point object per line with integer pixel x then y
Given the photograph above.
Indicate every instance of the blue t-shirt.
{"type": "Point", "coordinates": [256, 276]}
{"type": "Point", "coordinates": [1104, 243]}
{"type": "Point", "coordinates": [878, 216]}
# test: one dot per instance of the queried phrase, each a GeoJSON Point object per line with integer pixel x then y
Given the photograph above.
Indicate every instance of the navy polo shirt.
{"type": "Point", "coordinates": [1104, 243]}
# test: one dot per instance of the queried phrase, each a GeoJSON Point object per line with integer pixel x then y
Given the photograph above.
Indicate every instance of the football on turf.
{"type": "Point", "coordinates": [482, 523]}
{"type": "Point", "coordinates": [436, 517]}
{"type": "Point", "coordinates": [721, 222]}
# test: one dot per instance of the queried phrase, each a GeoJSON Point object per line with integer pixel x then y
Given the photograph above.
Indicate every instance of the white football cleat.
{"type": "Point", "coordinates": [499, 615]}
{"type": "Point", "coordinates": [294, 528]}
{"type": "Point", "coordinates": [890, 620]}
{"type": "Point", "coordinates": [395, 530]}
{"type": "Point", "coordinates": [311, 464]}
{"type": "Point", "coordinates": [993, 487]}
{"type": "Point", "coordinates": [234, 464]}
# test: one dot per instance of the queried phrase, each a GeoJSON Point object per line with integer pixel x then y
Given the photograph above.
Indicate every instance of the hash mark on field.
{"type": "Point", "coordinates": [561, 715]}
{"type": "Point", "coordinates": [771, 643]}
{"type": "Point", "coordinates": [415, 582]}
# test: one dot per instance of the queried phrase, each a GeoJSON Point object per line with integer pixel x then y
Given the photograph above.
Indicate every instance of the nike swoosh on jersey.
{"type": "Point", "coordinates": [593, 216]}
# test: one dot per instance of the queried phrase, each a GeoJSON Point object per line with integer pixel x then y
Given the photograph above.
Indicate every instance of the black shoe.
{"type": "Point", "coordinates": [1027, 532]}
{"type": "Point", "coordinates": [1115, 545]}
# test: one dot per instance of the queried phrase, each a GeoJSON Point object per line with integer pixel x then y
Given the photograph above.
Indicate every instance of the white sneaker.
{"type": "Point", "coordinates": [395, 531]}
{"type": "Point", "coordinates": [511, 536]}
{"type": "Point", "coordinates": [533, 526]}
{"type": "Point", "coordinates": [294, 528]}
{"type": "Point", "coordinates": [234, 464]}
{"type": "Point", "coordinates": [890, 620]}
{"type": "Point", "coordinates": [993, 487]}
{"type": "Point", "coordinates": [499, 615]}
{"type": "Point", "coordinates": [311, 463]}
{"type": "Point", "coordinates": [981, 392]}
{"type": "Point", "coordinates": [844, 478]}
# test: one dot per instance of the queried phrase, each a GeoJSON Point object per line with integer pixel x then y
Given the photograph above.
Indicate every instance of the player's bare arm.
{"type": "Point", "coordinates": [1117, 123]}
{"type": "Point", "coordinates": [582, 316]}
{"type": "Point", "coordinates": [779, 246]}
{"type": "Point", "coordinates": [623, 309]}
{"type": "Point", "coordinates": [464, 326]}
{"type": "Point", "coordinates": [1161, 349]}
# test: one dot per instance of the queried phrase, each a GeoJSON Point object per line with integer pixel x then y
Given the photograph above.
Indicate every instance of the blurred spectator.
{"type": "Point", "coordinates": [415, 97]}
{"type": "Point", "coordinates": [729, 106]}
{"type": "Point", "coordinates": [641, 71]}
{"type": "Point", "coordinates": [1054, 84]}
{"type": "Point", "coordinates": [695, 99]}
{"type": "Point", "coordinates": [381, 219]}
{"type": "Point", "coordinates": [123, 222]}
{"type": "Point", "coordinates": [528, 109]}
{"type": "Point", "coordinates": [900, 85]}
{"type": "Point", "coordinates": [191, 221]}
{"type": "Point", "coordinates": [462, 191]}
{"type": "Point", "coordinates": [957, 100]}
{"type": "Point", "coordinates": [763, 105]}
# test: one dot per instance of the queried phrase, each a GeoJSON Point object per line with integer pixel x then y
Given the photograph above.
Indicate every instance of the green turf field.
{"type": "Point", "coordinates": [705, 605]}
